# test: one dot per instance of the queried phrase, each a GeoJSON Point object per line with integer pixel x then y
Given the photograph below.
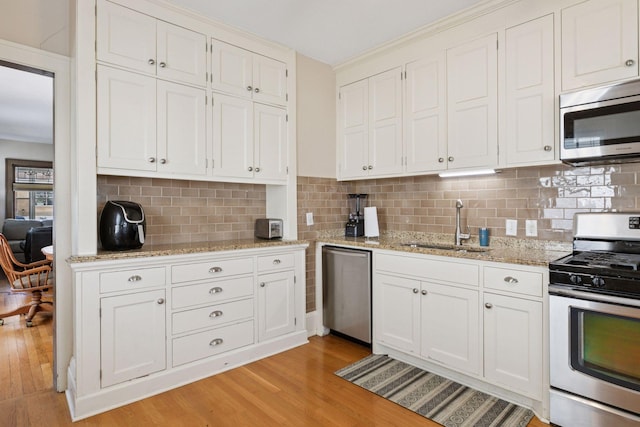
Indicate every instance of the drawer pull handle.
{"type": "Point", "coordinates": [160, 301]}
{"type": "Point", "coordinates": [215, 314]}
{"type": "Point", "coordinates": [276, 261]}
{"type": "Point", "coordinates": [215, 270]}
{"type": "Point", "coordinates": [215, 290]}
{"type": "Point", "coordinates": [216, 342]}
{"type": "Point", "coordinates": [415, 290]}
{"type": "Point", "coordinates": [135, 278]}
{"type": "Point", "coordinates": [488, 305]}
{"type": "Point", "coordinates": [511, 280]}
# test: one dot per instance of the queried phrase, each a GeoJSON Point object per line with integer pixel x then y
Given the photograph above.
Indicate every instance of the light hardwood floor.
{"type": "Point", "coordinates": [295, 388]}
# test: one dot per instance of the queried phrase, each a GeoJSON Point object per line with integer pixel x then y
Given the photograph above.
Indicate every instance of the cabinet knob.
{"type": "Point", "coordinates": [250, 169]}
{"type": "Point", "coordinates": [547, 148]}
{"type": "Point", "coordinates": [262, 284]}
{"type": "Point", "coordinates": [511, 280]}
{"type": "Point", "coordinates": [441, 160]}
{"type": "Point", "coordinates": [162, 64]}
{"type": "Point", "coordinates": [249, 88]}
{"type": "Point", "coordinates": [364, 168]}
{"type": "Point", "coordinates": [216, 342]}
{"type": "Point", "coordinates": [370, 167]}
{"type": "Point", "coordinates": [151, 61]}
{"type": "Point", "coordinates": [450, 158]}
{"type": "Point", "coordinates": [257, 90]}
{"type": "Point", "coordinates": [488, 305]}
{"type": "Point", "coordinates": [276, 261]}
{"type": "Point", "coordinates": [257, 169]}
{"type": "Point", "coordinates": [163, 161]}
{"type": "Point", "coordinates": [215, 270]}
{"type": "Point", "coordinates": [215, 314]}
{"type": "Point", "coordinates": [160, 301]}
{"type": "Point", "coordinates": [135, 278]}
{"type": "Point", "coordinates": [415, 290]}
{"type": "Point", "coordinates": [424, 292]}
{"type": "Point", "coordinates": [151, 160]}
{"type": "Point", "coordinates": [629, 62]}
{"type": "Point", "coordinates": [215, 290]}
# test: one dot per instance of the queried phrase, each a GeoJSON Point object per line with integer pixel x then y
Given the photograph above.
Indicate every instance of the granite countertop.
{"type": "Point", "coordinates": [507, 250]}
{"type": "Point", "coordinates": [185, 248]}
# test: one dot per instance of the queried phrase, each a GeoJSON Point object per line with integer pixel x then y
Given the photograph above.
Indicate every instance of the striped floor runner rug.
{"type": "Point", "coordinates": [432, 396]}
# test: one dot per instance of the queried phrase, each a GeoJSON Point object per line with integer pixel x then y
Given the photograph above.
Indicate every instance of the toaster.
{"type": "Point", "coordinates": [268, 228]}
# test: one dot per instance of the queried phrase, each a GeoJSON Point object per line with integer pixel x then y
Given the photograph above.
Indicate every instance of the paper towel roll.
{"type": "Point", "coordinates": [371, 222]}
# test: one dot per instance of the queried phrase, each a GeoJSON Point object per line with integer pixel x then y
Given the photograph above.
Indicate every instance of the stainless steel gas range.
{"type": "Point", "coordinates": [594, 300]}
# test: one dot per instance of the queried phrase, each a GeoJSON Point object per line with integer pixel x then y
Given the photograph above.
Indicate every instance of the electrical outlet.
{"type": "Point", "coordinates": [531, 228]}
{"type": "Point", "coordinates": [309, 218]}
{"type": "Point", "coordinates": [512, 227]}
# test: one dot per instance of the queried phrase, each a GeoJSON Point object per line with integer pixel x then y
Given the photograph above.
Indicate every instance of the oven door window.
{"type": "Point", "coordinates": [606, 346]}
{"type": "Point", "coordinates": [596, 127]}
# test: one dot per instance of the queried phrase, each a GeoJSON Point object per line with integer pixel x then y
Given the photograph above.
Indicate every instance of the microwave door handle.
{"type": "Point", "coordinates": [141, 233]}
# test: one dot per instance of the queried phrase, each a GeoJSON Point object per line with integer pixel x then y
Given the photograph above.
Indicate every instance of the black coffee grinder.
{"type": "Point", "coordinates": [355, 226]}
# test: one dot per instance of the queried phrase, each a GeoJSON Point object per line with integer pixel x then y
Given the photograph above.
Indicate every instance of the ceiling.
{"type": "Point", "coordinates": [329, 31]}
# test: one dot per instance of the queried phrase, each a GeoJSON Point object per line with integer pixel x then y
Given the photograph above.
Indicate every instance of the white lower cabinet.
{"type": "Point", "coordinates": [144, 325]}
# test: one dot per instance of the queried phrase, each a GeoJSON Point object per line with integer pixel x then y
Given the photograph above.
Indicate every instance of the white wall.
{"type": "Point", "coordinates": [43, 24]}
{"type": "Point", "coordinates": [23, 151]}
{"type": "Point", "coordinates": [316, 118]}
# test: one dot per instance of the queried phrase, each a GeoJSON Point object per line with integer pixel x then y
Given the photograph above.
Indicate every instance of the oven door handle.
{"type": "Point", "coordinates": [564, 291]}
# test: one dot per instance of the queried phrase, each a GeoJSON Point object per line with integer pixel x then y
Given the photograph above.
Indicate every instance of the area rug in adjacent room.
{"type": "Point", "coordinates": [432, 396]}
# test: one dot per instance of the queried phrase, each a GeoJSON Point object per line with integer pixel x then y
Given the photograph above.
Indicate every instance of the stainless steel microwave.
{"type": "Point", "coordinates": [601, 125]}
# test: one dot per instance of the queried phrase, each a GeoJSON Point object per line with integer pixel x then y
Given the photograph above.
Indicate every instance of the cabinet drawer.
{"type": "Point", "coordinates": [429, 269]}
{"type": "Point", "coordinates": [137, 278]}
{"type": "Point", "coordinates": [209, 343]}
{"type": "Point", "coordinates": [214, 291]}
{"type": "Point", "coordinates": [213, 315]}
{"type": "Point", "coordinates": [210, 269]}
{"type": "Point", "coordinates": [276, 262]}
{"type": "Point", "coordinates": [517, 281]}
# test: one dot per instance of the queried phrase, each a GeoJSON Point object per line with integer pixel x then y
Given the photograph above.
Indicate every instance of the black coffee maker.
{"type": "Point", "coordinates": [355, 226]}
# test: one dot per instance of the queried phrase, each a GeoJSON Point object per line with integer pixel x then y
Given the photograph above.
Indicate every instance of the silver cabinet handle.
{"type": "Point", "coordinates": [488, 305]}
{"type": "Point", "coordinates": [416, 290]}
{"type": "Point", "coordinates": [215, 290]}
{"type": "Point", "coordinates": [450, 158]}
{"type": "Point", "coordinates": [250, 168]}
{"type": "Point", "coordinates": [151, 61]}
{"type": "Point", "coordinates": [151, 160]}
{"type": "Point", "coordinates": [262, 284]}
{"type": "Point", "coordinates": [160, 301]}
{"type": "Point", "coordinates": [511, 280]}
{"type": "Point", "coordinates": [364, 168]}
{"type": "Point", "coordinates": [424, 292]}
{"type": "Point", "coordinates": [370, 167]}
{"type": "Point", "coordinates": [441, 160]}
{"type": "Point", "coordinates": [629, 62]}
{"type": "Point", "coordinates": [162, 64]}
{"type": "Point", "coordinates": [257, 90]}
{"type": "Point", "coordinates": [276, 261]}
{"type": "Point", "coordinates": [215, 314]}
{"type": "Point", "coordinates": [135, 278]}
{"type": "Point", "coordinates": [547, 148]}
{"type": "Point", "coordinates": [257, 169]}
{"type": "Point", "coordinates": [215, 270]}
{"type": "Point", "coordinates": [163, 161]}
{"type": "Point", "coordinates": [216, 342]}
{"type": "Point", "coordinates": [249, 88]}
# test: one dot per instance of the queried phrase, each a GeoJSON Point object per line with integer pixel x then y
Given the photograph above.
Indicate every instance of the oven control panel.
{"type": "Point", "coordinates": [634, 223]}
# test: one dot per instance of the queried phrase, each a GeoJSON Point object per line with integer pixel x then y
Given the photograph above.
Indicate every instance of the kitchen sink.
{"type": "Point", "coordinates": [444, 247]}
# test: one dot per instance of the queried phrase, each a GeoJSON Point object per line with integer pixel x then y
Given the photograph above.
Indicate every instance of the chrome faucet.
{"type": "Point", "coordinates": [460, 236]}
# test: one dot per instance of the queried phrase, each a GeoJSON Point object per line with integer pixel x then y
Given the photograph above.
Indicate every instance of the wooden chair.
{"type": "Point", "coordinates": [34, 278]}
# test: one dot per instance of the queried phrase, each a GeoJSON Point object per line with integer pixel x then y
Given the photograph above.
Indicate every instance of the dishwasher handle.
{"type": "Point", "coordinates": [356, 253]}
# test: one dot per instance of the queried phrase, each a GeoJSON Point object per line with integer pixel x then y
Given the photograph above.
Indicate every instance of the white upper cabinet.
{"type": "Point", "coordinates": [140, 42]}
{"type": "Point", "coordinates": [599, 42]}
{"type": "Point", "coordinates": [243, 73]}
{"type": "Point", "coordinates": [530, 101]}
{"type": "Point", "coordinates": [425, 122]}
{"type": "Point", "coordinates": [370, 127]}
{"type": "Point", "coordinates": [472, 104]}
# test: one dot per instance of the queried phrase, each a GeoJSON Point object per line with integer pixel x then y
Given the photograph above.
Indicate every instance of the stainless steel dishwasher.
{"type": "Point", "coordinates": [346, 292]}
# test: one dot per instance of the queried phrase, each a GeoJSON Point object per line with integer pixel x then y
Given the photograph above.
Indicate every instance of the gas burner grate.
{"type": "Point", "coordinates": [612, 260]}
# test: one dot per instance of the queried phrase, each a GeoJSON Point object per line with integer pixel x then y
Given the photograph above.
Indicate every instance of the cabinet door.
{"type": "Point", "coordinates": [472, 106]}
{"type": "Point", "coordinates": [132, 329]}
{"type": "Point", "coordinates": [126, 120]}
{"type": "Point", "coordinates": [396, 313]}
{"type": "Point", "coordinates": [513, 343]}
{"type": "Point", "coordinates": [385, 123]}
{"type": "Point", "coordinates": [232, 137]}
{"type": "Point", "coordinates": [182, 138]}
{"type": "Point", "coordinates": [425, 115]}
{"type": "Point", "coordinates": [599, 42]}
{"type": "Point", "coordinates": [269, 80]}
{"type": "Point", "coordinates": [276, 305]}
{"type": "Point", "coordinates": [451, 326]}
{"type": "Point", "coordinates": [125, 37]}
{"type": "Point", "coordinates": [530, 96]}
{"type": "Point", "coordinates": [353, 128]}
{"type": "Point", "coordinates": [231, 69]}
{"type": "Point", "coordinates": [270, 156]}
{"type": "Point", "coordinates": [182, 54]}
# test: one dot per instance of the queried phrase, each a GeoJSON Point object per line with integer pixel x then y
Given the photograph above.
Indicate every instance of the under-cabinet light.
{"type": "Point", "coordinates": [451, 174]}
